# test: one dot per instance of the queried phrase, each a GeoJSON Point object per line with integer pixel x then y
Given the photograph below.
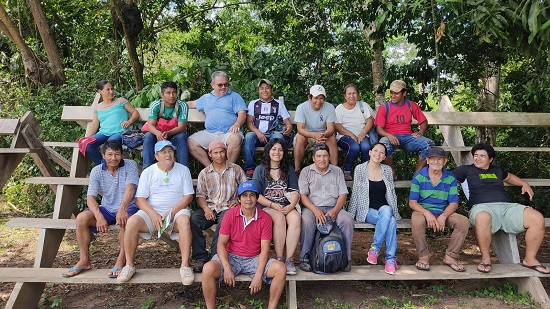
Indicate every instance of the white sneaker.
{"type": "Point", "coordinates": [126, 274]}
{"type": "Point", "coordinates": [187, 275]}
{"type": "Point", "coordinates": [290, 267]}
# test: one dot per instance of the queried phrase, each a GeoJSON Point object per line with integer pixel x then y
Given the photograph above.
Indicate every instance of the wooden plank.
{"type": "Point", "coordinates": [25, 295]}
{"type": "Point", "coordinates": [57, 158]}
{"type": "Point", "coordinates": [70, 224]}
{"type": "Point", "coordinates": [362, 273]}
{"type": "Point", "coordinates": [40, 157]}
{"type": "Point", "coordinates": [15, 150]}
{"type": "Point", "coordinates": [8, 126]}
{"type": "Point", "coordinates": [489, 119]}
{"type": "Point", "coordinates": [70, 181]}
{"type": "Point", "coordinates": [61, 144]}
{"type": "Point", "coordinates": [493, 119]}
{"type": "Point", "coordinates": [534, 286]}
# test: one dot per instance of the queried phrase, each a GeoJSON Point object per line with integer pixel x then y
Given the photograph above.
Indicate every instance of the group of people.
{"type": "Point", "coordinates": [281, 202]}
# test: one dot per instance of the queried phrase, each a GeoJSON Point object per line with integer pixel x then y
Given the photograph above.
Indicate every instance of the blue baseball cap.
{"type": "Point", "coordinates": [247, 186]}
{"type": "Point", "coordinates": [160, 145]}
{"type": "Point", "coordinates": [325, 228]}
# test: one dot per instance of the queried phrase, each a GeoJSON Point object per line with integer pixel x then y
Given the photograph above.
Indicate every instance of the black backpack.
{"type": "Point", "coordinates": [329, 254]}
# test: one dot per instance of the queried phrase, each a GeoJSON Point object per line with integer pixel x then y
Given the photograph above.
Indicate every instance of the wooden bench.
{"type": "Point", "coordinates": [512, 271]}
{"type": "Point", "coordinates": [27, 292]}
{"type": "Point", "coordinates": [24, 133]}
{"type": "Point", "coordinates": [40, 276]}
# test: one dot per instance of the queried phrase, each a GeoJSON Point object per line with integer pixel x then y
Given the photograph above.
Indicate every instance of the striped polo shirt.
{"type": "Point", "coordinates": [434, 198]}
{"type": "Point", "coordinates": [112, 188]}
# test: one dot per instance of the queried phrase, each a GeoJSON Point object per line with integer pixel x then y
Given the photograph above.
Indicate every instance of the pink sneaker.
{"type": "Point", "coordinates": [391, 266]}
{"type": "Point", "coordinates": [372, 256]}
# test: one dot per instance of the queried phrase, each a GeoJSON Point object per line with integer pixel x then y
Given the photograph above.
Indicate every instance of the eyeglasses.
{"type": "Point", "coordinates": [222, 85]}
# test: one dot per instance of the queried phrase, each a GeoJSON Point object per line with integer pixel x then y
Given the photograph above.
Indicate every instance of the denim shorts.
{"type": "Point", "coordinates": [111, 216]}
{"type": "Point", "coordinates": [244, 265]}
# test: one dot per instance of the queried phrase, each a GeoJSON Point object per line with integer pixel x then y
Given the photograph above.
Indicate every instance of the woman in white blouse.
{"type": "Point", "coordinates": [353, 123]}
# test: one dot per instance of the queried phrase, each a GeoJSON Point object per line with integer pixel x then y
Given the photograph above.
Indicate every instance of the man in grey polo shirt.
{"type": "Point", "coordinates": [323, 194]}
{"type": "Point", "coordinates": [116, 179]}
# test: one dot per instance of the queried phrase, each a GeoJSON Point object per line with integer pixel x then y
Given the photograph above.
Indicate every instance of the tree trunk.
{"type": "Point", "coordinates": [377, 63]}
{"type": "Point", "coordinates": [35, 69]}
{"type": "Point", "coordinates": [131, 26]}
{"type": "Point", "coordinates": [377, 77]}
{"type": "Point", "coordinates": [52, 52]}
{"type": "Point", "coordinates": [487, 102]}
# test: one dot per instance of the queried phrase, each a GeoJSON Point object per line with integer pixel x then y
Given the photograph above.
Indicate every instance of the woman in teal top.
{"type": "Point", "coordinates": [109, 121]}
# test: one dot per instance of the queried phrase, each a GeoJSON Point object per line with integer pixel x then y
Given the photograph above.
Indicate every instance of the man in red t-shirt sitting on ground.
{"type": "Point", "coordinates": [393, 124]}
{"type": "Point", "coordinates": [243, 248]}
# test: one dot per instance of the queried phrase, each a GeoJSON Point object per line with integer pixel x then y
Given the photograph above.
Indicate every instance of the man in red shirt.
{"type": "Point", "coordinates": [243, 248]}
{"type": "Point", "coordinates": [393, 124]}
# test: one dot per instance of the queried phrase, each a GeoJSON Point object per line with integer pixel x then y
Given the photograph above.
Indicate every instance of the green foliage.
{"type": "Point", "coordinates": [148, 304]}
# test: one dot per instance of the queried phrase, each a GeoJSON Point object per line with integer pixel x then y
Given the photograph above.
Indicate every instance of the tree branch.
{"type": "Point", "coordinates": [175, 20]}
{"type": "Point", "coordinates": [156, 16]}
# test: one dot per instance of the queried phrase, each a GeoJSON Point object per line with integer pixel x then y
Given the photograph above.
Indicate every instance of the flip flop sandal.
{"type": "Point", "coordinates": [484, 269]}
{"type": "Point", "coordinates": [114, 270]}
{"type": "Point", "coordinates": [459, 268]}
{"type": "Point", "coordinates": [73, 269]}
{"type": "Point", "coordinates": [422, 266]}
{"type": "Point", "coordinates": [536, 268]}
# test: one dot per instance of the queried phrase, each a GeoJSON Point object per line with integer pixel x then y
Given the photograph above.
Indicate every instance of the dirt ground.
{"type": "Point", "coordinates": [17, 249]}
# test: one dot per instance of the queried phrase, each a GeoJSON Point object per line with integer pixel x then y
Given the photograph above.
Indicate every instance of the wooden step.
{"type": "Point", "coordinates": [70, 224]}
{"type": "Point", "coordinates": [362, 273]}
{"type": "Point", "coordinates": [67, 181]}
{"type": "Point", "coordinates": [15, 150]}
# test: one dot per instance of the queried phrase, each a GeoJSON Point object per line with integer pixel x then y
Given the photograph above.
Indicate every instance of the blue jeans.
{"type": "Point", "coordinates": [386, 227]}
{"type": "Point", "coordinates": [92, 150]}
{"type": "Point", "coordinates": [251, 141]}
{"type": "Point", "coordinates": [353, 149]}
{"type": "Point", "coordinates": [179, 140]}
{"type": "Point", "coordinates": [409, 143]}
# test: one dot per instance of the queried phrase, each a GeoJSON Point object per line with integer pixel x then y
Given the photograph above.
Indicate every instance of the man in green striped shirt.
{"type": "Point", "coordinates": [434, 201]}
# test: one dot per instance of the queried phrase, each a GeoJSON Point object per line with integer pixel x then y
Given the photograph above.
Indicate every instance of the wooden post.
{"type": "Point", "coordinates": [452, 136]}
{"type": "Point", "coordinates": [27, 295]}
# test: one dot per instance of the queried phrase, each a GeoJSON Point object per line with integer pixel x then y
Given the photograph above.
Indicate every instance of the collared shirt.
{"type": "Point", "coordinates": [247, 222]}
{"type": "Point", "coordinates": [220, 189]}
{"type": "Point", "coordinates": [246, 241]}
{"type": "Point", "coordinates": [112, 187]}
{"type": "Point", "coordinates": [265, 113]}
{"type": "Point", "coordinates": [322, 189]}
{"type": "Point", "coordinates": [221, 112]}
{"type": "Point", "coordinates": [434, 198]}
{"type": "Point", "coordinates": [169, 112]}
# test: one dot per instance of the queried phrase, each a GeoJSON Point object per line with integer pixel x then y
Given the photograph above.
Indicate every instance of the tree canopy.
{"type": "Point", "coordinates": [52, 52]}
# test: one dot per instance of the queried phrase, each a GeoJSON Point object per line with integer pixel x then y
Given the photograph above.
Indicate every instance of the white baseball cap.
{"type": "Point", "coordinates": [316, 90]}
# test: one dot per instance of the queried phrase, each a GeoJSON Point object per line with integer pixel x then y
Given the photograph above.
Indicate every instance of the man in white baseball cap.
{"type": "Point", "coordinates": [315, 120]}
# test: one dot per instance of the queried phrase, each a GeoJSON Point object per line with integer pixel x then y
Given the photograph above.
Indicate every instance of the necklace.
{"type": "Point", "coordinates": [275, 168]}
{"type": "Point", "coordinates": [166, 178]}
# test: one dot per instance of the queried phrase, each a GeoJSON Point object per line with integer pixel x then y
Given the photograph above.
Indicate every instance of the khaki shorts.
{"type": "Point", "coordinates": [504, 216]}
{"type": "Point", "coordinates": [310, 141]}
{"type": "Point", "coordinates": [151, 226]}
{"type": "Point", "coordinates": [204, 138]}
